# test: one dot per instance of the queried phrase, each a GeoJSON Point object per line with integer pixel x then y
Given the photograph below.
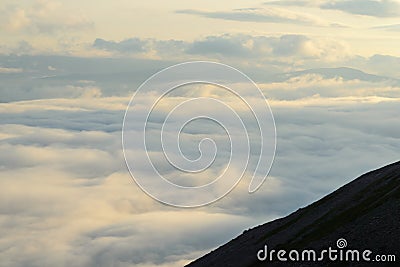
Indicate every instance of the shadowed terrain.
{"type": "Point", "coordinates": [365, 212]}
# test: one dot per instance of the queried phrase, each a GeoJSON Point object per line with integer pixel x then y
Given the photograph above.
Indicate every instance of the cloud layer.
{"type": "Point", "coordinates": [270, 15]}
{"type": "Point", "coordinates": [67, 197]}
{"type": "Point", "coordinates": [375, 8]}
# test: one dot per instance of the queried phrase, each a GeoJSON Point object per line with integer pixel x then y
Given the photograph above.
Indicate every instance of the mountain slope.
{"type": "Point", "coordinates": [345, 73]}
{"type": "Point", "coordinates": [365, 212]}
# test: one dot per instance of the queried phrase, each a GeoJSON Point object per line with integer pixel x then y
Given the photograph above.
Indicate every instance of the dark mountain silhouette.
{"type": "Point", "coordinates": [343, 72]}
{"type": "Point", "coordinates": [365, 212]}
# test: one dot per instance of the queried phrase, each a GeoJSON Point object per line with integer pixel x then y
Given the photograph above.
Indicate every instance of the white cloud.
{"type": "Point", "coordinates": [67, 199]}
{"type": "Point", "coordinates": [314, 86]}
{"type": "Point", "coordinates": [18, 20]}
{"type": "Point", "coordinates": [45, 17]}
{"type": "Point", "coordinates": [10, 70]}
{"type": "Point", "coordinates": [237, 46]}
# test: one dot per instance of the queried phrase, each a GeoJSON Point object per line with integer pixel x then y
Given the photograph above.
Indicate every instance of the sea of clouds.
{"type": "Point", "coordinates": [67, 198]}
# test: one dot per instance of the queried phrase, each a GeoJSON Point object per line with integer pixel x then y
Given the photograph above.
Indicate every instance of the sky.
{"type": "Point", "coordinates": [330, 71]}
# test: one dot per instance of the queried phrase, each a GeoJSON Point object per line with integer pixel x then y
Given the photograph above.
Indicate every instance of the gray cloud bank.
{"type": "Point", "coordinates": [264, 58]}
{"type": "Point", "coordinates": [384, 8]}
{"type": "Point", "coordinates": [258, 15]}
{"type": "Point", "coordinates": [373, 8]}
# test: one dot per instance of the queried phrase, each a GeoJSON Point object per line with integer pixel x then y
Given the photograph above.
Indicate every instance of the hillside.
{"type": "Point", "coordinates": [365, 212]}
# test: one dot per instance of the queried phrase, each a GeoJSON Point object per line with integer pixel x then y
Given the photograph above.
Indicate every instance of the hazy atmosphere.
{"type": "Point", "coordinates": [330, 71]}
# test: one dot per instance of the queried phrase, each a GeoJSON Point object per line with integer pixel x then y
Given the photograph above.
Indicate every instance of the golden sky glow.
{"type": "Point", "coordinates": [71, 26]}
